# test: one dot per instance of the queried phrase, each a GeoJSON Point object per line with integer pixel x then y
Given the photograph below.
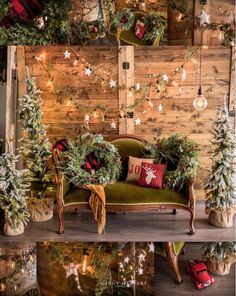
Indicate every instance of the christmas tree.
{"type": "Point", "coordinates": [36, 145]}
{"type": "Point", "coordinates": [220, 187]}
{"type": "Point", "coordinates": [13, 189]}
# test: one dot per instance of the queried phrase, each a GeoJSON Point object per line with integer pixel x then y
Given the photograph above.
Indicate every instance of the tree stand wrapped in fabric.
{"type": "Point", "coordinates": [41, 210]}
{"type": "Point", "coordinates": [221, 217]}
{"type": "Point", "coordinates": [9, 230]}
{"type": "Point", "coordinates": [221, 267]}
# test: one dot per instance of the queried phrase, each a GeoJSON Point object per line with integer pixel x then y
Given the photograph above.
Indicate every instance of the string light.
{"type": "Point", "coordinates": [200, 102]}
{"type": "Point", "coordinates": [179, 17]}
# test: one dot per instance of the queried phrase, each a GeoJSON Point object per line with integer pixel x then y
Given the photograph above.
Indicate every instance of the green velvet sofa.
{"type": "Point", "coordinates": [125, 196]}
{"type": "Point", "coordinates": [128, 36]}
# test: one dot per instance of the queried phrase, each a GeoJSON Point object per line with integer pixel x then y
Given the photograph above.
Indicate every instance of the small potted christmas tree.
{"type": "Point", "coordinates": [219, 256]}
{"type": "Point", "coordinates": [36, 151]}
{"type": "Point", "coordinates": [220, 190]}
{"type": "Point", "coordinates": [13, 191]}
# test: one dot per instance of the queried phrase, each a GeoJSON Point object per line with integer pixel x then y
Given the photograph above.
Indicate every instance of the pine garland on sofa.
{"type": "Point", "coordinates": [181, 156]}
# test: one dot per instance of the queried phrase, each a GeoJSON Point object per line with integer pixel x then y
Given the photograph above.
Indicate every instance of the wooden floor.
{"type": "Point", "coordinates": [164, 278]}
{"type": "Point", "coordinates": [152, 226]}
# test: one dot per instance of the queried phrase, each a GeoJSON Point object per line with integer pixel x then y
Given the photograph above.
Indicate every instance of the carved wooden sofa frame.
{"type": "Point", "coordinates": [189, 188]}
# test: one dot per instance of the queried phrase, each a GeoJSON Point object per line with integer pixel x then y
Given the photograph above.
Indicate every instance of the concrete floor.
{"type": "Point", "coordinates": [145, 226]}
{"type": "Point", "coordinates": [164, 277]}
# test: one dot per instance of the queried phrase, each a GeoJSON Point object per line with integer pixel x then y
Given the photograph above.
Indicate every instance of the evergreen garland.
{"type": "Point", "coordinates": [13, 189]}
{"type": "Point", "coordinates": [55, 14]}
{"type": "Point", "coordinates": [106, 155]}
{"type": "Point", "coordinates": [36, 145]}
{"type": "Point", "coordinates": [220, 186]}
{"type": "Point", "coordinates": [219, 250]}
{"type": "Point", "coordinates": [155, 25]}
{"type": "Point", "coordinates": [181, 156]}
{"type": "Point", "coordinates": [124, 19]}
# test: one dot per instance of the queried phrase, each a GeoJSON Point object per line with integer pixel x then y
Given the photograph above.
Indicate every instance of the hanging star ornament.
{"type": "Point", "coordinates": [86, 117]}
{"type": "Point", "coordinates": [126, 260]}
{"type": "Point", "coordinates": [204, 18]}
{"type": "Point", "coordinates": [87, 71]}
{"type": "Point", "coordinates": [137, 86]}
{"type": "Point", "coordinates": [66, 54]}
{"type": "Point", "coordinates": [140, 271]}
{"type": "Point", "coordinates": [113, 125]}
{"type": "Point", "coordinates": [137, 121]}
{"type": "Point", "coordinates": [183, 74]}
{"type": "Point", "coordinates": [141, 258]}
{"type": "Point", "coordinates": [165, 77]}
{"type": "Point", "coordinates": [112, 83]}
{"type": "Point", "coordinates": [151, 247]}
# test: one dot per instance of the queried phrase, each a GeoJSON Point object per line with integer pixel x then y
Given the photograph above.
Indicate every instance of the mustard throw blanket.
{"type": "Point", "coordinates": [97, 202]}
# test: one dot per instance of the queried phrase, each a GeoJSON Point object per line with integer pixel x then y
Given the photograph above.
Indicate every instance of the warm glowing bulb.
{"type": "Point", "coordinates": [130, 94]}
{"type": "Point", "coordinates": [75, 62]}
{"type": "Point", "coordinates": [68, 103]}
{"type": "Point", "coordinates": [2, 287]}
{"type": "Point", "coordinates": [200, 103]}
{"type": "Point", "coordinates": [220, 35]}
{"type": "Point", "coordinates": [179, 17]}
{"type": "Point", "coordinates": [49, 83]}
{"type": "Point", "coordinates": [150, 103]}
{"type": "Point", "coordinates": [95, 114]}
{"type": "Point", "coordinates": [194, 61]}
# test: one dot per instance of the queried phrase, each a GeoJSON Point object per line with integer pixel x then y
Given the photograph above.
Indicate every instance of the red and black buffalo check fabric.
{"type": "Point", "coordinates": [22, 11]}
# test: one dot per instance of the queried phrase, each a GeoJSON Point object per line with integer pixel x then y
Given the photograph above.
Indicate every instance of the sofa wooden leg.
{"type": "Point", "coordinates": [174, 212]}
{"type": "Point", "coordinates": [61, 220]}
{"type": "Point", "coordinates": [191, 226]}
{"type": "Point", "coordinates": [173, 260]}
{"type": "Point", "coordinates": [175, 267]}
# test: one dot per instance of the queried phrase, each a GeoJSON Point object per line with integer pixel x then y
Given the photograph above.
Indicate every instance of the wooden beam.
{"type": "Point", "coordinates": [20, 61]}
{"type": "Point", "coordinates": [10, 103]}
{"type": "Point", "coordinates": [126, 79]}
{"type": "Point", "coordinates": [232, 88]}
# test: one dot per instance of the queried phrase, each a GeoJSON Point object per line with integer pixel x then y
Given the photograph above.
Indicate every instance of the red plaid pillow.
{"type": "Point", "coordinates": [61, 145]}
{"type": "Point", "coordinates": [151, 175]}
{"type": "Point", "coordinates": [22, 11]}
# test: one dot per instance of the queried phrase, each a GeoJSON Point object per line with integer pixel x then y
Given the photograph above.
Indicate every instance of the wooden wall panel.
{"type": "Point", "coordinates": [64, 120]}
{"type": "Point", "coordinates": [178, 113]}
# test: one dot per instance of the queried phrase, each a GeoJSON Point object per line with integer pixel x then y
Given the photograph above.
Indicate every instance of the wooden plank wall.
{"type": "Point", "coordinates": [63, 119]}
{"type": "Point", "coordinates": [178, 114]}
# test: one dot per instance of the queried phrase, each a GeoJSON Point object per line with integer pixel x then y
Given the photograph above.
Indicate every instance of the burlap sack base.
{"type": "Point", "coordinates": [221, 217]}
{"type": "Point", "coordinates": [220, 267]}
{"type": "Point", "coordinates": [41, 210]}
{"type": "Point", "coordinates": [9, 230]}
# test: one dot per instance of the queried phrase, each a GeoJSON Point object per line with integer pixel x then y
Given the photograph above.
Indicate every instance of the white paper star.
{"type": "Point", "coordinates": [66, 54]}
{"type": "Point", "coordinates": [140, 271]}
{"type": "Point", "coordinates": [121, 265]}
{"type": "Point", "coordinates": [165, 77]}
{"type": "Point", "coordinates": [141, 257]}
{"type": "Point", "coordinates": [137, 121]}
{"type": "Point", "coordinates": [132, 282]}
{"type": "Point", "coordinates": [87, 71]}
{"type": "Point", "coordinates": [86, 117]}
{"type": "Point", "coordinates": [160, 107]}
{"type": "Point", "coordinates": [113, 125]}
{"type": "Point", "coordinates": [112, 83]}
{"type": "Point", "coordinates": [137, 86]}
{"type": "Point", "coordinates": [204, 18]}
{"type": "Point", "coordinates": [183, 75]}
{"type": "Point", "coordinates": [151, 247]}
{"type": "Point", "coordinates": [127, 260]}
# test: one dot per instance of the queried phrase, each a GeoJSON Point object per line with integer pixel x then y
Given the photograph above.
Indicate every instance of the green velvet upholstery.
{"type": "Point", "coordinates": [128, 36]}
{"type": "Point", "coordinates": [125, 148]}
{"type": "Point", "coordinates": [127, 193]}
{"type": "Point", "coordinates": [177, 248]}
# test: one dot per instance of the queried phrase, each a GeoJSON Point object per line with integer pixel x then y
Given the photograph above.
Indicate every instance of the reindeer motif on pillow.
{"type": "Point", "coordinates": [151, 175]}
